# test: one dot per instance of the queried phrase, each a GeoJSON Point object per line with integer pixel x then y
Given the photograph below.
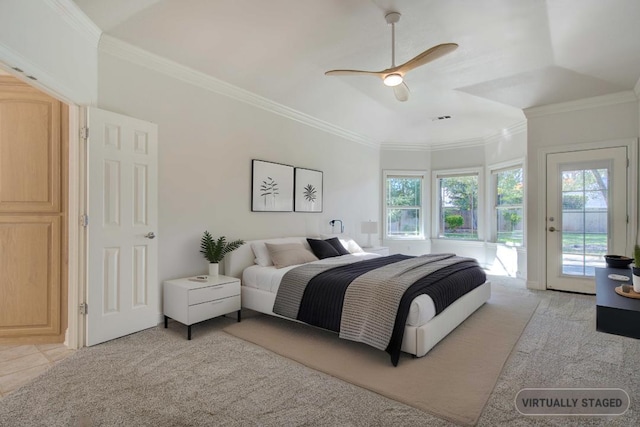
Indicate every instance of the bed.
{"type": "Point", "coordinates": [423, 329]}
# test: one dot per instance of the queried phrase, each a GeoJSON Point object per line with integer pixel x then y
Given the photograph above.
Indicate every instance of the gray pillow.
{"type": "Point", "coordinates": [322, 249]}
{"type": "Point", "coordinates": [337, 245]}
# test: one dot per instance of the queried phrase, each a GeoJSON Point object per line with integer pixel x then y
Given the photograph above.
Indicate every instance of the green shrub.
{"type": "Point", "coordinates": [453, 221]}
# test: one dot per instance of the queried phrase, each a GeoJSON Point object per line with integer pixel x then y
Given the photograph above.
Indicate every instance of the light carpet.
{"type": "Point", "coordinates": [157, 378]}
{"type": "Point", "coordinates": [453, 381]}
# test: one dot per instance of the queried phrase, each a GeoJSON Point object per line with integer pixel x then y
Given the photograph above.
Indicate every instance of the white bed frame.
{"type": "Point", "coordinates": [418, 340]}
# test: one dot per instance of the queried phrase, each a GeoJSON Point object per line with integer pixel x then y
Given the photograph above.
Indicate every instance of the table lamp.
{"type": "Point", "coordinates": [369, 228]}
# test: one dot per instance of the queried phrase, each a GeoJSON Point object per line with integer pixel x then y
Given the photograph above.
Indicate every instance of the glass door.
{"type": "Point", "coordinates": [586, 215]}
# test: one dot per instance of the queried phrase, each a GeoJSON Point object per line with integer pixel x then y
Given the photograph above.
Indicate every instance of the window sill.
{"type": "Point", "coordinates": [406, 239]}
{"type": "Point", "coordinates": [444, 239]}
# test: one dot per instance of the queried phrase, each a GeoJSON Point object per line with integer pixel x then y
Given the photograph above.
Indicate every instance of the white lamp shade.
{"type": "Point", "coordinates": [369, 227]}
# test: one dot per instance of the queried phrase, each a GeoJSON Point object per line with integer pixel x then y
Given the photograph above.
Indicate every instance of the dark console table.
{"type": "Point", "coordinates": [616, 314]}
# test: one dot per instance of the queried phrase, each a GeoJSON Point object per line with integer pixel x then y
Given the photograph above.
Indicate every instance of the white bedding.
{"type": "Point", "coordinates": [268, 279]}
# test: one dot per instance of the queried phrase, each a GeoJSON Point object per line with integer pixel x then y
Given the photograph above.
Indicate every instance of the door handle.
{"type": "Point", "coordinates": [552, 229]}
{"type": "Point", "coordinates": [150, 235]}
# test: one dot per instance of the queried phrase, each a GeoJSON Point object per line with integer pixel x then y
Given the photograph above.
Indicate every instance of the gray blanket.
{"type": "Point", "coordinates": [371, 300]}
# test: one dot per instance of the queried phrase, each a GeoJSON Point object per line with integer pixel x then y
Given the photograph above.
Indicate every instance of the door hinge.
{"type": "Point", "coordinates": [84, 220]}
{"type": "Point", "coordinates": [84, 132]}
{"type": "Point", "coordinates": [83, 308]}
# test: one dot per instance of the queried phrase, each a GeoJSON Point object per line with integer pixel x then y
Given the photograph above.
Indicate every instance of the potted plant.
{"type": "Point", "coordinates": [635, 268]}
{"type": "Point", "coordinates": [215, 250]}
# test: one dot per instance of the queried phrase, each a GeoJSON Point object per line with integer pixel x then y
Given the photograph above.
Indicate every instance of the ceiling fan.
{"type": "Point", "coordinates": [394, 76]}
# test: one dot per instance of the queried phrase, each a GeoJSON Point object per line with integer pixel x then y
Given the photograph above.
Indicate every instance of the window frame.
{"type": "Point", "coordinates": [424, 212]}
{"type": "Point", "coordinates": [493, 170]}
{"type": "Point", "coordinates": [449, 173]}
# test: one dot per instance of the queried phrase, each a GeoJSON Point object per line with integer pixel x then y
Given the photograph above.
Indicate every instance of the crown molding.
{"type": "Point", "coordinates": [516, 128]}
{"type": "Point", "coordinates": [426, 146]}
{"type": "Point", "coordinates": [582, 104]}
{"type": "Point", "coordinates": [390, 146]}
{"type": "Point", "coordinates": [116, 47]}
{"type": "Point", "coordinates": [76, 18]}
{"type": "Point", "coordinates": [462, 143]}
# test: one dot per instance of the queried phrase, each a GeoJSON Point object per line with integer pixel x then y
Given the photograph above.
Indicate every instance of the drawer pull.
{"type": "Point", "coordinates": [216, 302]}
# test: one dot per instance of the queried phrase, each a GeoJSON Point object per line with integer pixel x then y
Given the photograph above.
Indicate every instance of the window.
{"type": "Point", "coordinates": [404, 204]}
{"type": "Point", "coordinates": [585, 211]}
{"type": "Point", "coordinates": [457, 204]}
{"type": "Point", "coordinates": [509, 212]}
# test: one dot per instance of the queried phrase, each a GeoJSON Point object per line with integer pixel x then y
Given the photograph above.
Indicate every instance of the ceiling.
{"type": "Point", "coordinates": [512, 55]}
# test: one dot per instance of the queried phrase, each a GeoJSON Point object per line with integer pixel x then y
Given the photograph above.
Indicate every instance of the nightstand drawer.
{"type": "Point", "coordinates": [208, 310]}
{"type": "Point", "coordinates": [210, 293]}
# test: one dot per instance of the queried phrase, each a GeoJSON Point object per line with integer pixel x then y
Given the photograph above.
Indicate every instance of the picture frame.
{"type": "Point", "coordinates": [271, 187]}
{"type": "Point", "coordinates": [308, 192]}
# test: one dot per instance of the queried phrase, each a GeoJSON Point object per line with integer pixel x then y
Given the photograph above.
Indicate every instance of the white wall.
{"type": "Point", "coordinates": [206, 143]}
{"type": "Point", "coordinates": [458, 158]}
{"type": "Point", "coordinates": [506, 147]}
{"type": "Point", "coordinates": [555, 127]}
{"type": "Point", "coordinates": [419, 160]}
{"type": "Point", "coordinates": [49, 40]}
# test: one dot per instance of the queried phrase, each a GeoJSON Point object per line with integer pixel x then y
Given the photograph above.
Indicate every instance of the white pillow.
{"type": "Point", "coordinates": [262, 254]}
{"type": "Point", "coordinates": [348, 243]}
{"type": "Point", "coordinates": [354, 248]}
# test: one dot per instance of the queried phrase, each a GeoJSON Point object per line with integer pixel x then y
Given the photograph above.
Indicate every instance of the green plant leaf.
{"type": "Point", "coordinates": [215, 250]}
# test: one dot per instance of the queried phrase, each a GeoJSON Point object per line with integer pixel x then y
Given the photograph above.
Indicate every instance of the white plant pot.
{"type": "Point", "coordinates": [636, 283]}
{"type": "Point", "coordinates": [213, 269]}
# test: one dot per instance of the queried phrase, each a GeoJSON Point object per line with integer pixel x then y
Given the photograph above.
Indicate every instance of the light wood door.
{"type": "Point", "coordinates": [30, 274]}
{"type": "Point", "coordinates": [123, 285]}
{"type": "Point", "coordinates": [33, 142]}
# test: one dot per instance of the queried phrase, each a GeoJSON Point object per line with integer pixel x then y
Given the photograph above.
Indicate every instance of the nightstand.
{"type": "Point", "coordinates": [382, 250]}
{"type": "Point", "coordinates": [190, 301]}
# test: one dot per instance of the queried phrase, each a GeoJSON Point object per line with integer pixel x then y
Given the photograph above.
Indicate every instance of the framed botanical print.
{"type": "Point", "coordinates": [271, 187]}
{"type": "Point", "coordinates": [308, 190]}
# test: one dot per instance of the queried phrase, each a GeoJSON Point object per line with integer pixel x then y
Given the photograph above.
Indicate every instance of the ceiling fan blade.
{"type": "Point", "coordinates": [352, 72]}
{"type": "Point", "coordinates": [401, 92]}
{"type": "Point", "coordinates": [426, 56]}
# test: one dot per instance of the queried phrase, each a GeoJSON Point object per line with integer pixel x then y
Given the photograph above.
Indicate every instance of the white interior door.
{"type": "Point", "coordinates": [586, 215]}
{"type": "Point", "coordinates": [122, 291]}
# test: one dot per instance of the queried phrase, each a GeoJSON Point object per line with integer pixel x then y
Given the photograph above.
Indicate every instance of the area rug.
{"type": "Point", "coordinates": [453, 381]}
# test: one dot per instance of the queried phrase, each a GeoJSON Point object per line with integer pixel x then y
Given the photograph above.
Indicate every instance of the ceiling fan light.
{"type": "Point", "coordinates": [393, 80]}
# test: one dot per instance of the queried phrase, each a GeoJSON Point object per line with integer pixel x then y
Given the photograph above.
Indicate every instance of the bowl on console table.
{"type": "Point", "coordinates": [618, 261]}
